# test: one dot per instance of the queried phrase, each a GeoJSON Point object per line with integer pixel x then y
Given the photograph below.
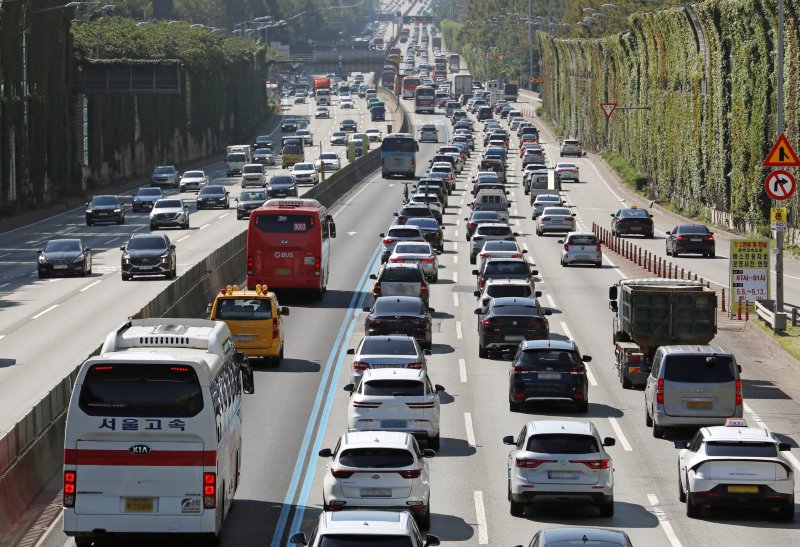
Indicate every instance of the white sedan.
{"type": "Point", "coordinates": [322, 112]}
{"type": "Point", "coordinates": [413, 252]}
{"type": "Point", "coordinates": [346, 102]}
{"type": "Point", "coordinates": [374, 134]}
{"type": "Point", "coordinates": [736, 466]}
{"type": "Point", "coordinates": [331, 161]}
{"type": "Point", "coordinates": [499, 249]}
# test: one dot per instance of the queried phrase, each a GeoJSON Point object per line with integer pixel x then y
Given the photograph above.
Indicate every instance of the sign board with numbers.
{"type": "Point", "coordinates": [749, 273]}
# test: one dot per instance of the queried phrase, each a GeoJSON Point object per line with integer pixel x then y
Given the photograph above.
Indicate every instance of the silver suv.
{"type": "Point", "coordinates": [692, 386]}
{"type": "Point", "coordinates": [571, 147]}
{"type": "Point", "coordinates": [395, 234]}
{"type": "Point", "coordinates": [165, 175]}
{"type": "Point", "coordinates": [491, 231]}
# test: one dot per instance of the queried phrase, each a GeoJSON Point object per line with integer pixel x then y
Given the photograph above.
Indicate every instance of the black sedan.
{"type": "Point", "coordinates": [64, 257]}
{"type": "Point", "coordinates": [508, 321]}
{"type": "Point", "coordinates": [281, 186]}
{"type": "Point", "coordinates": [691, 238]}
{"type": "Point", "coordinates": [348, 125]}
{"type": "Point", "coordinates": [148, 254]}
{"type": "Point", "coordinates": [431, 231]}
{"type": "Point", "coordinates": [288, 126]}
{"type": "Point", "coordinates": [249, 200]}
{"type": "Point", "coordinates": [632, 221]}
{"type": "Point", "coordinates": [405, 315]}
{"type": "Point", "coordinates": [213, 196]}
{"type": "Point", "coordinates": [145, 198]}
{"type": "Point", "coordinates": [104, 209]}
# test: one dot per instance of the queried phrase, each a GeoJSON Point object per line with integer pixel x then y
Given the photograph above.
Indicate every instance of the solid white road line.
{"type": "Point", "coordinates": [662, 520]}
{"type": "Point", "coordinates": [90, 285]}
{"type": "Point", "coordinates": [112, 240]}
{"type": "Point", "coordinates": [589, 375]}
{"type": "Point", "coordinates": [458, 330]}
{"type": "Point", "coordinates": [620, 435]}
{"type": "Point", "coordinates": [41, 313]}
{"type": "Point", "coordinates": [483, 532]}
{"type": "Point", "coordinates": [184, 237]}
{"type": "Point", "coordinates": [204, 226]}
{"type": "Point", "coordinates": [462, 370]}
{"type": "Point", "coordinates": [551, 301]}
{"type": "Point", "coordinates": [470, 430]}
{"type": "Point", "coordinates": [4, 255]}
{"type": "Point", "coordinates": [455, 299]}
{"type": "Point", "coordinates": [223, 215]}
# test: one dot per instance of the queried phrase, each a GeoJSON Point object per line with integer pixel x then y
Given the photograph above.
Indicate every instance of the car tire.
{"type": "Point", "coordinates": [681, 492]}
{"type": "Point", "coordinates": [84, 271]}
{"type": "Point", "coordinates": [434, 442]}
{"type": "Point", "coordinates": [472, 259]}
{"type": "Point", "coordinates": [424, 520]}
{"type": "Point", "coordinates": [83, 542]}
{"type": "Point", "coordinates": [153, 227]}
{"type": "Point", "coordinates": [42, 275]}
{"type": "Point", "coordinates": [626, 383]}
{"type": "Point", "coordinates": [648, 421]}
{"type": "Point", "coordinates": [599, 265]}
{"type": "Point", "coordinates": [693, 510]}
{"type": "Point", "coordinates": [786, 513]}
{"type": "Point", "coordinates": [89, 223]}
{"type": "Point", "coordinates": [173, 272]}
{"type": "Point", "coordinates": [516, 508]}
{"type": "Point", "coordinates": [658, 431]}
{"type": "Point", "coordinates": [126, 277]}
{"type": "Point", "coordinates": [514, 406]}
{"type": "Point", "coordinates": [582, 406]}
{"type": "Point", "coordinates": [607, 509]}
{"type": "Point", "coordinates": [239, 217]}
{"type": "Point", "coordinates": [711, 255]}
{"type": "Point", "coordinates": [675, 252]}
{"type": "Point", "coordinates": [483, 353]}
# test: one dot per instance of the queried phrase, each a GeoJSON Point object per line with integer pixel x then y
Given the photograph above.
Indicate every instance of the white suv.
{"type": "Point", "coordinates": [366, 528]}
{"type": "Point", "coordinates": [560, 461]}
{"type": "Point", "coordinates": [253, 175]}
{"type": "Point", "coordinates": [735, 466]}
{"type": "Point", "coordinates": [571, 147]}
{"type": "Point", "coordinates": [378, 469]}
{"type": "Point", "coordinates": [393, 399]}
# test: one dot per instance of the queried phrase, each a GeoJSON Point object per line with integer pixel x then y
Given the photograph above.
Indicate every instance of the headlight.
{"type": "Point", "coordinates": [165, 257]}
{"type": "Point", "coordinates": [42, 259]}
{"type": "Point", "coordinates": [126, 259]}
{"type": "Point", "coordinates": [78, 258]}
{"type": "Point", "coordinates": [88, 211]}
{"type": "Point", "coordinates": [136, 199]}
{"type": "Point", "coordinates": [117, 210]}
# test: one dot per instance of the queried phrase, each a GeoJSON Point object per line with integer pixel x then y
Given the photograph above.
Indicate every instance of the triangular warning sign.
{"type": "Point", "coordinates": [782, 154]}
{"type": "Point", "coordinates": [608, 108]}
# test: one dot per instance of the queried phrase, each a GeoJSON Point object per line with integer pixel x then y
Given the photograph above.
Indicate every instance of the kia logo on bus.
{"type": "Point", "coordinates": [140, 449]}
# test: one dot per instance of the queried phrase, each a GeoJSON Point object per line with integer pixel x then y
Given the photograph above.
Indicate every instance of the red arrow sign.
{"type": "Point", "coordinates": [608, 108]}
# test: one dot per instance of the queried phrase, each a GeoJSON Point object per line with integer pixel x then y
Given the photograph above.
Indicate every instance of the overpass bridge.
{"type": "Point", "coordinates": [333, 61]}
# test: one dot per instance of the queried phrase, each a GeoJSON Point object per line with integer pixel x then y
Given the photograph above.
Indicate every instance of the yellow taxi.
{"type": "Point", "coordinates": [255, 319]}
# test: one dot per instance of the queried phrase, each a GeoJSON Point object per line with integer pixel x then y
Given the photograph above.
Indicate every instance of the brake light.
{"type": "Point", "coordinates": [396, 259]}
{"type": "Point", "coordinates": [471, 225]}
{"type": "Point", "coordinates": [487, 323]}
{"type": "Point", "coordinates": [484, 255]}
{"type": "Point", "coordinates": [360, 365]}
{"type": "Point", "coordinates": [710, 238]}
{"type": "Point", "coordinates": [416, 365]}
{"type": "Point", "coordinates": [401, 219]}
{"type": "Point", "coordinates": [249, 265]}
{"type": "Point", "coordinates": [376, 290]}
{"type": "Point", "coordinates": [516, 255]}
{"type": "Point", "coordinates": [276, 333]}
{"type": "Point", "coordinates": [739, 398]}
{"type": "Point", "coordinates": [421, 405]}
{"type": "Point", "coordinates": [679, 238]}
{"type": "Point", "coordinates": [592, 464]}
{"type": "Point", "coordinates": [69, 488]}
{"type": "Point", "coordinates": [317, 265]}
{"type": "Point", "coordinates": [566, 247]}
{"type": "Point", "coordinates": [482, 283]}
{"type": "Point", "coordinates": [520, 368]}
{"type": "Point", "coordinates": [537, 324]}
{"type": "Point", "coordinates": [339, 474]}
{"type": "Point", "coordinates": [423, 289]}
{"type": "Point", "coordinates": [411, 473]}
{"type": "Point", "coordinates": [526, 463]}
{"type": "Point", "coordinates": [580, 370]}
{"type": "Point", "coordinates": [509, 238]}
{"type": "Point", "coordinates": [209, 490]}
{"type": "Point", "coordinates": [544, 219]}
{"type": "Point", "coordinates": [660, 391]}
{"type": "Point", "coordinates": [357, 404]}
{"type": "Point", "coordinates": [598, 248]}
{"type": "Point", "coordinates": [427, 260]}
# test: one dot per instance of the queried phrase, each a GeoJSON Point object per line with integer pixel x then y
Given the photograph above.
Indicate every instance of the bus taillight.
{"type": "Point", "coordinates": [69, 488]}
{"type": "Point", "coordinates": [317, 265]}
{"type": "Point", "coordinates": [249, 265]}
{"type": "Point", "coordinates": [210, 490]}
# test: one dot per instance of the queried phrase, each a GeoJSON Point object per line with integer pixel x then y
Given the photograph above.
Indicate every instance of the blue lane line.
{"type": "Point", "coordinates": [297, 521]}
{"type": "Point", "coordinates": [303, 454]}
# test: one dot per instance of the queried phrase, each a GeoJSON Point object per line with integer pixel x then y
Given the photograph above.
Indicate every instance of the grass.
{"type": "Point", "coordinates": [788, 340]}
{"type": "Point", "coordinates": [630, 175]}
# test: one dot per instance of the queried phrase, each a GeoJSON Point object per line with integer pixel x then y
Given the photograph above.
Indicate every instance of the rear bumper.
{"type": "Point", "coordinates": [419, 433]}
{"type": "Point", "coordinates": [767, 497]}
{"type": "Point", "coordinates": [699, 248]}
{"type": "Point", "coordinates": [662, 419]}
{"type": "Point", "coordinates": [594, 496]}
{"type": "Point", "coordinates": [583, 258]}
{"type": "Point", "coordinates": [131, 525]}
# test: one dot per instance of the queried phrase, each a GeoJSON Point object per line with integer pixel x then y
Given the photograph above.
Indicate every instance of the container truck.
{"type": "Point", "coordinates": [511, 92]}
{"type": "Point", "coordinates": [462, 85]}
{"type": "Point", "coordinates": [653, 312]}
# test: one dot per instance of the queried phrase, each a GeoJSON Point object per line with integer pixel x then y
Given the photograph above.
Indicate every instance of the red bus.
{"type": "Point", "coordinates": [398, 84]}
{"type": "Point", "coordinates": [288, 245]}
{"type": "Point", "coordinates": [409, 86]}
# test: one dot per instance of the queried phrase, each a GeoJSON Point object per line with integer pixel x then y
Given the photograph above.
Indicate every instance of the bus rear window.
{"type": "Point", "coordinates": [141, 390]}
{"type": "Point", "coordinates": [284, 224]}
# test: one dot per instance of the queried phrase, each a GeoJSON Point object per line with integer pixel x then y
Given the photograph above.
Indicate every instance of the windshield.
{"type": "Point", "coordinates": [63, 246]}
{"type": "Point", "coordinates": [142, 390]}
{"type": "Point", "coordinates": [253, 196]}
{"type": "Point", "coordinates": [699, 369]}
{"type": "Point", "coordinates": [303, 167]}
{"type": "Point", "coordinates": [104, 200]}
{"type": "Point", "coordinates": [330, 156]}
{"type": "Point", "coordinates": [253, 169]}
{"type": "Point", "coordinates": [168, 204]}
{"type": "Point", "coordinates": [365, 540]}
{"type": "Point", "coordinates": [736, 449]}
{"type": "Point", "coordinates": [149, 192]}
{"type": "Point", "coordinates": [583, 240]}
{"type": "Point", "coordinates": [389, 305]}
{"type": "Point", "coordinates": [281, 180]}
{"type": "Point", "coordinates": [399, 144]}
{"type": "Point", "coordinates": [550, 359]}
{"type": "Point", "coordinates": [193, 175]}
{"type": "Point", "coordinates": [396, 388]}
{"type": "Point", "coordinates": [504, 267]}
{"type": "Point", "coordinates": [151, 243]}
{"type": "Point", "coordinates": [244, 308]}
{"type": "Point", "coordinates": [557, 443]}
{"type": "Point", "coordinates": [695, 229]}
{"type": "Point", "coordinates": [633, 213]}
{"type": "Point", "coordinates": [212, 191]}
{"type": "Point", "coordinates": [411, 248]}
{"type": "Point", "coordinates": [500, 246]}
{"type": "Point", "coordinates": [164, 170]}
{"type": "Point", "coordinates": [388, 346]}
{"type": "Point", "coordinates": [376, 458]}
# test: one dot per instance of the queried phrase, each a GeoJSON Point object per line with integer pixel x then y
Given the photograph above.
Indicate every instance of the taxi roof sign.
{"type": "Point", "coordinates": [735, 422]}
{"type": "Point", "coordinates": [782, 154]}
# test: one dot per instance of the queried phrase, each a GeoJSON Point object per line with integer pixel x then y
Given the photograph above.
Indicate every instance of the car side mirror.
{"type": "Point", "coordinates": [612, 305]}
{"type": "Point", "coordinates": [172, 246]}
{"type": "Point", "coordinates": [209, 307]}
{"type": "Point", "coordinates": [381, 234]}
{"type": "Point", "coordinates": [432, 541]}
{"type": "Point", "coordinates": [88, 249]}
{"type": "Point", "coordinates": [509, 439]}
{"type": "Point", "coordinates": [438, 388]}
{"type": "Point", "coordinates": [122, 248]}
{"type": "Point", "coordinates": [612, 293]}
{"type": "Point", "coordinates": [426, 352]}
{"type": "Point", "coordinates": [515, 234]}
{"type": "Point", "coordinates": [284, 310]}
{"type": "Point", "coordinates": [476, 294]}
{"type": "Point", "coordinates": [298, 539]}
{"type": "Point", "coordinates": [475, 272]}
{"type": "Point", "coordinates": [428, 453]}
{"type": "Point", "coordinates": [534, 272]}
{"type": "Point", "coordinates": [560, 241]}
{"type": "Point", "coordinates": [373, 276]}
{"type": "Point", "coordinates": [548, 312]}
{"type": "Point", "coordinates": [349, 388]}
{"type": "Point", "coordinates": [325, 453]}
{"type": "Point", "coordinates": [586, 358]}
{"type": "Point", "coordinates": [668, 233]}
{"type": "Point", "coordinates": [681, 444]}
{"type": "Point", "coordinates": [248, 383]}
{"type": "Point", "coordinates": [651, 216]}
{"type": "Point", "coordinates": [395, 214]}
{"type": "Point", "coordinates": [612, 215]}
{"type": "Point", "coordinates": [784, 447]}
{"type": "Point", "coordinates": [431, 310]}
{"type": "Point", "coordinates": [739, 367]}
{"type": "Point", "coordinates": [609, 441]}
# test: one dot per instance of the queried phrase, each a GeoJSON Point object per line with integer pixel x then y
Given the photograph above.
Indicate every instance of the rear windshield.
{"type": "Point", "coordinates": [514, 310]}
{"type": "Point", "coordinates": [549, 359]}
{"type": "Point", "coordinates": [398, 307]}
{"type": "Point", "coordinates": [401, 274]}
{"type": "Point", "coordinates": [633, 213]}
{"type": "Point", "coordinates": [416, 212]}
{"type": "Point", "coordinates": [403, 232]}
{"type": "Point", "coordinates": [500, 291]}
{"type": "Point", "coordinates": [396, 388]}
{"type": "Point", "coordinates": [557, 443]}
{"type": "Point", "coordinates": [425, 223]}
{"type": "Point", "coordinates": [493, 200]}
{"type": "Point", "coordinates": [561, 211]}
{"type": "Point", "coordinates": [485, 215]}
{"type": "Point", "coordinates": [697, 369]}
{"type": "Point", "coordinates": [244, 308]}
{"type": "Point", "coordinates": [693, 229]}
{"type": "Point", "coordinates": [583, 240]}
{"type": "Point", "coordinates": [253, 169]}
{"type": "Point", "coordinates": [137, 390]}
{"type": "Point", "coordinates": [494, 231]}
{"type": "Point", "coordinates": [376, 458]}
{"type": "Point", "coordinates": [412, 249]}
{"type": "Point", "coordinates": [284, 224]}
{"type": "Point", "coordinates": [500, 246]}
{"type": "Point", "coordinates": [504, 267]}
{"type": "Point", "coordinates": [735, 449]}
{"type": "Point", "coordinates": [388, 346]}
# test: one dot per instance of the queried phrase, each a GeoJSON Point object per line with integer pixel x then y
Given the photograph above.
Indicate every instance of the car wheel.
{"type": "Point", "coordinates": [434, 442]}
{"type": "Point", "coordinates": [599, 264]}
{"type": "Point", "coordinates": [173, 272]}
{"type": "Point", "coordinates": [675, 252]}
{"type": "Point", "coordinates": [786, 513]}
{"type": "Point", "coordinates": [472, 259]}
{"type": "Point", "coordinates": [126, 277]}
{"type": "Point", "coordinates": [89, 223]}
{"type": "Point", "coordinates": [238, 217]}
{"type": "Point", "coordinates": [516, 508]}
{"type": "Point", "coordinates": [681, 492]}
{"type": "Point", "coordinates": [666, 250]}
{"type": "Point", "coordinates": [483, 353]}
{"type": "Point", "coordinates": [85, 271]}
{"type": "Point", "coordinates": [626, 383]}
{"type": "Point", "coordinates": [693, 510]}
{"type": "Point", "coordinates": [514, 406]}
{"type": "Point", "coordinates": [424, 520]}
{"type": "Point", "coordinates": [538, 232]}
{"type": "Point", "coordinates": [582, 406]}
{"type": "Point", "coordinates": [153, 227]}
{"type": "Point", "coordinates": [607, 509]}
{"type": "Point", "coordinates": [42, 275]}
{"type": "Point", "coordinates": [658, 431]}
{"type": "Point", "coordinates": [711, 255]}
{"type": "Point", "coordinates": [648, 421]}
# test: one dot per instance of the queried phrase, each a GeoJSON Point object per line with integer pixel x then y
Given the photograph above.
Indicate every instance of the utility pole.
{"type": "Point", "coordinates": [779, 132]}
{"type": "Point", "coordinates": [530, 38]}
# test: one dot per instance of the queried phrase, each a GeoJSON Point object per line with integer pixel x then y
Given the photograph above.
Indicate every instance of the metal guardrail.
{"type": "Point", "coordinates": [765, 310]}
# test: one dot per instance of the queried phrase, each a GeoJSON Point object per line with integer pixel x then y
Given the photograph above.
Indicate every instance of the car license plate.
{"type": "Point", "coordinates": [632, 370]}
{"type": "Point", "coordinates": [569, 475]}
{"type": "Point", "coordinates": [244, 337]}
{"type": "Point", "coordinates": [549, 376]}
{"type": "Point", "coordinates": [146, 267]}
{"type": "Point", "coordinates": [514, 338]}
{"type": "Point", "coordinates": [704, 405]}
{"type": "Point", "coordinates": [393, 423]}
{"type": "Point", "coordinates": [636, 228]}
{"type": "Point", "coordinates": [696, 239]}
{"type": "Point", "coordinates": [139, 505]}
{"type": "Point", "coordinates": [283, 271]}
{"type": "Point", "coordinates": [59, 266]}
{"type": "Point", "coordinates": [376, 492]}
{"type": "Point", "coordinates": [742, 489]}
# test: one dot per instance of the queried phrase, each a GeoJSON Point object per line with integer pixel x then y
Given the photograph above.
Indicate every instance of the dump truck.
{"type": "Point", "coordinates": [653, 312]}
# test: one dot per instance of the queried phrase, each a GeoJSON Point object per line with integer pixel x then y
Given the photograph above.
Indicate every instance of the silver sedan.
{"type": "Point", "coordinates": [417, 253]}
{"type": "Point", "coordinates": [555, 219]}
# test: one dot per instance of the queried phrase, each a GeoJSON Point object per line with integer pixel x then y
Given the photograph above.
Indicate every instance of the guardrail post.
{"type": "Point", "coordinates": [681, 273]}
{"type": "Point", "coordinates": [723, 299]}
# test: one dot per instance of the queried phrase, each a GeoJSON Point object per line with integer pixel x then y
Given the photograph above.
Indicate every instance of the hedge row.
{"type": "Point", "coordinates": [709, 122]}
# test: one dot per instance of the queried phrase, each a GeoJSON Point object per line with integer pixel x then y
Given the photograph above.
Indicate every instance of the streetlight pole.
{"type": "Point", "coordinates": [530, 40]}
{"type": "Point", "coordinates": [779, 132]}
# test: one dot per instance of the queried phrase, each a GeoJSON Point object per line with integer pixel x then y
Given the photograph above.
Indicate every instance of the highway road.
{"type": "Point", "coordinates": [300, 407]}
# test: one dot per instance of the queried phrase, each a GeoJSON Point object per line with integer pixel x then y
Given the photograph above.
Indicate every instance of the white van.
{"type": "Point", "coordinates": [153, 433]}
{"type": "Point", "coordinates": [492, 200]}
{"type": "Point", "coordinates": [235, 162]}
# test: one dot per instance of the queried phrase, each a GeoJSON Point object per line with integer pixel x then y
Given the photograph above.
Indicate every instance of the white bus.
{"type": "Point", "coordinates": [153, 434]}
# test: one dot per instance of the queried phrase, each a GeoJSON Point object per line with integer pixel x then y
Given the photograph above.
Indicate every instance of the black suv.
{"type": "Point", "coordinates": [508, 321]}
{"type": "Point", "coordinates": [213, 196]}
{"type": "Point", "coordinates": [548, 370]}
{"type": "Point", "coordinates": [505, 268]}
{"type": "Point", "coordinates": [104, 209]}
{"type": "Point", "coordinates": [632, 221]}
{"type": "Point", "coordinates": [148, 254]}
